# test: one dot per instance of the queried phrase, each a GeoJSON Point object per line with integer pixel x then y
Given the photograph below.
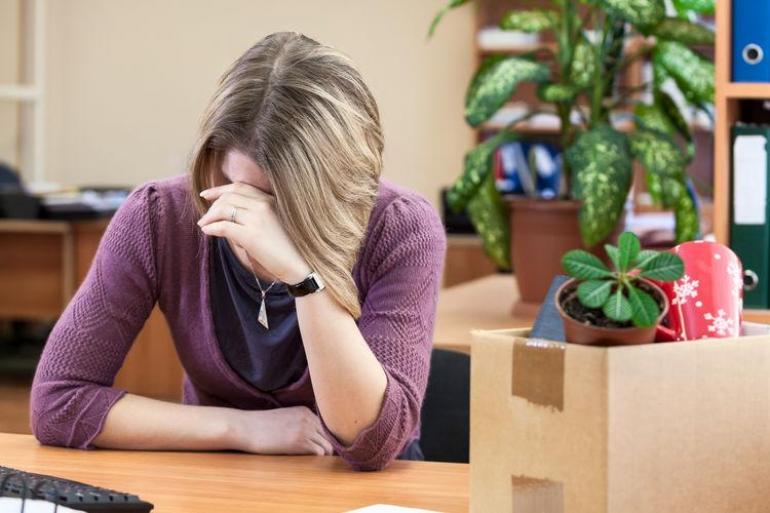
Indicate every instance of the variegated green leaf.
{"type": "Point", "coordinates": [529, 21]}
{"type": "Point", "coordinates": [658, 153]}
{"type": "Point", "coordinates": [601, 166]}
{"type": "Point", "coordinates": [555, 93]}
{"type": "Point", "coordinates": [684, 31]}
{"type": "Point", "coordinates": [655, 188]}
{"type": "Point", "coordinates": [699, 6]}
{"type": "Point", "coordinates": [693, 74]}
{"type": "Point", "coordinates": [617, 306]}
{"type": "Point", "coordinates": [671, 110]}
{"type": "Point", "coordinates": [583, 64]}
{"type": "Point", "coordinates": [651, 117]}
{"type": "Point", "coordinates": [594, 293]}
{"type": "Point", "coordinates": [495, 85]}
{"type": "Point", "coordinates": [687, 220]}
{"type": "Point", "coordinates": [644, 309]}
{"type": "Point", "coordinates": [478, 165]}
{"type": "Point", "coordinates": [641, 13]}
{"type": "Point", "coordinates": [448, 7]}
{"type": "Point", "coordinates": [490, 218]}
{"type": "Point", "coordinates": [481, 72]}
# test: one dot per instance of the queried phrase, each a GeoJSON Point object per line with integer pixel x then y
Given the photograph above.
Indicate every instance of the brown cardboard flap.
{"type": "Point", "coordinates": [532, 495]}
{"type": "Point", "coordinates": [538, 372]}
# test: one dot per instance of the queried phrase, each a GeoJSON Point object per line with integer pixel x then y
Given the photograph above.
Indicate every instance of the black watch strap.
{"type": "Point", "coordinates": [313, 283]}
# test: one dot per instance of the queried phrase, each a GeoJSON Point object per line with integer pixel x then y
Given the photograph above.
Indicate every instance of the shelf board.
{"type": "Point", "coordinates": [19, 93]}
{"type": "Point", "coordinates": [738, 90]}
{"type": "Point", "coordinates": [760, 316]}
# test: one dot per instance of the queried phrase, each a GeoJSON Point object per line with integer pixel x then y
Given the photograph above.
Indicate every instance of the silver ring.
{"type": "Point", "coordinates": [233, 214]}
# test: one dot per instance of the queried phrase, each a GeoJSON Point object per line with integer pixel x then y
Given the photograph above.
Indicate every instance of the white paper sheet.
{"type": "Point", "coordinates": [11, 505]}
{"type": "Point", "coordinates": [749, 179]}
{"type": "Point", "coordinates": [387, 508]}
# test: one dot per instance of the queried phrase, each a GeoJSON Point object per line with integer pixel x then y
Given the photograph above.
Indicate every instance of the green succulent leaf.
{"type": "Point", "coordinates": [663, 267]}
{"type": "Point", "coordinates": [554, 93]}
{"type": "Point", "coordinates": [640, 13]}
{"type": "Point", "coordinates": [583, 66]}
{"type": "Point", "coordinates": [594, 293]}
{"type": "Point", "coordinates": [614, 255]}
{"type": "Point", "coordinates": [628, 249]}
{"type": "Point", "coordinates": [583, 265]}
{"type": "Point", "coordinates": [684, 31]}
{"type": "Point", "coordinates": [490, 218]}
{"type": "Point", "coordinates": [687, 220]}
{"type": "Point", "coordinates": [692, 73]}
{"type": "Point", "coordinates": [644, 309]}
{"type": "Point", "coordinates": [494, 85]}
{"type": "Point", "coordinates": [448, 7]}
{"type": "Point", "coordinates": [601, 165]}
{"type": "Point", "coordinates": [478, 165]}
{"type": "Point", "coordinates": [699, 6]}
{"type": "Point", "coordinates": [617, 306]}
{"type": "Point", "coordinates": [529, 21]}
{"type": "Point", "coordinates": [658, 153]}
{"type": "Point", "coordinates": [644, 257]}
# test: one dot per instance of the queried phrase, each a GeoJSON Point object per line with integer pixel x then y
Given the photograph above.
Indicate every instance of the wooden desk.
{"type": "Point", "coordinates": [41, 265]}
{"type": "Point", "coordinates": [485, 303]}
{"type": "Point", "coordinates": [228, 482]}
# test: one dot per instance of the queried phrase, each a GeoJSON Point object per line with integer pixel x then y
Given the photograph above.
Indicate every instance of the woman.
{"type": "Point", "coordinates": [283, 261]}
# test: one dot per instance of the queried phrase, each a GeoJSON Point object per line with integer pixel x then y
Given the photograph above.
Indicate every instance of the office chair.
{"type": "Point", "coordinates": [446, 409]}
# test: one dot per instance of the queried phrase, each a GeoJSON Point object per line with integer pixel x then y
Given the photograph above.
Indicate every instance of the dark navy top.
{"type": "Point", "coordinates": [268, 359]}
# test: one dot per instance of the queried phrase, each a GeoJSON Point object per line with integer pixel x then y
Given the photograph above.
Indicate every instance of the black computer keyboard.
{"type": "Point", "coordinates": [78, 496]}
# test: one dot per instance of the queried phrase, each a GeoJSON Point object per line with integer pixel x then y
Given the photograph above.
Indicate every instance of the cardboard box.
{"type": "Point", "coordinates": [679, 427]}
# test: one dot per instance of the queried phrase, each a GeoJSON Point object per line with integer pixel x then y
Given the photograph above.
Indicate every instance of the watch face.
{"type": "Point", "coordinates": [312, 283]}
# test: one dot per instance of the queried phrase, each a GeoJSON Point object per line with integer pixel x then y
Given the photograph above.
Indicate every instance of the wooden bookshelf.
{"type": "Point", "coordinates": [728, 97]}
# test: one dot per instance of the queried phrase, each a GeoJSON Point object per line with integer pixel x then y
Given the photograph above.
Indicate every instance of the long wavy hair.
{"type": "Point", "coordinates": [302, 112]}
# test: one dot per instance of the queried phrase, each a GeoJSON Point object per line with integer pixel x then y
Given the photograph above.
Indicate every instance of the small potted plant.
{"type": "Point", "coordinates": [600, 306]}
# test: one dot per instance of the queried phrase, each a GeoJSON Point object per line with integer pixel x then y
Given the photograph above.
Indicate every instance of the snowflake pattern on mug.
{"type": "Point", "coordinates": [685, 289]}
{"type": "Point", "coordinates": [734, 270]}
{"type": "Point", "coordinates": [720, 324]}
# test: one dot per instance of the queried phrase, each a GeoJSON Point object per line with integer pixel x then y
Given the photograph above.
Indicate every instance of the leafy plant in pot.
{"type": "Point", "coordinates": [600, 306]}
{"type": "Point", "coordinates": [604, 125]}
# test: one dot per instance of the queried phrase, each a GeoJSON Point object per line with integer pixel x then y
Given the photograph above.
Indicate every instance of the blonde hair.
{"type": "Point", "coordinates": [302, 112]}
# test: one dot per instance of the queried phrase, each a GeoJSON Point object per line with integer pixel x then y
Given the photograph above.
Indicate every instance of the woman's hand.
{"type": "Point", "coordinates": [293, 430]}
{"type": "Point", "coordinates": [254, 227]}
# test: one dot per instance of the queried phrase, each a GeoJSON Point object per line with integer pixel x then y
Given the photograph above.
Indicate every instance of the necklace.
{"type": "Point", "coordinates": [262, 317]}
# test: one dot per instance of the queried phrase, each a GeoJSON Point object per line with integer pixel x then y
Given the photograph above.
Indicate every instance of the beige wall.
{"type": "Point", "coordinates": [9, 74]}
{"type": "Point", "coordinates": [128, 79]}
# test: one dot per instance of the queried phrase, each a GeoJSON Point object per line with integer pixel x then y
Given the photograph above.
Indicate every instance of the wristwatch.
{"type": "Point", "coordinates": [313, 283]}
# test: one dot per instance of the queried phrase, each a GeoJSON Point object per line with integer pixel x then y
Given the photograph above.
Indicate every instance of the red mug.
{"type": "Point", "coordinates": [707, 301]}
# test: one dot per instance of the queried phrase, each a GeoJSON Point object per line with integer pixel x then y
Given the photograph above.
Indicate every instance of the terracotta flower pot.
{"type": "Point", "coordinates": [577, 332]}
{"type": "Point", "coordinates": [541, 232]}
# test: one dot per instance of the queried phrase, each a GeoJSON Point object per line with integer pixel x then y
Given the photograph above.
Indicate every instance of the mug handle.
{"type": "Point", "coordinates": [664, 334]}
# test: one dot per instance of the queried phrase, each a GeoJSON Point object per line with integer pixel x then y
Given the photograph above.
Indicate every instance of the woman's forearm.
{"type": "Point", "coordinates": [136, 422]}
{"type": "Point", "coordinates": [348, 381]}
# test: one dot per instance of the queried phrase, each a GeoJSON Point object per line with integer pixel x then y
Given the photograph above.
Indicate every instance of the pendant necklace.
{"type": "Point", "coordinates": [262, 317]}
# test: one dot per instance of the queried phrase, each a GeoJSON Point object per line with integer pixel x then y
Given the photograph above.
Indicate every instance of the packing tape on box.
{"type": "Point", "coordinates": [532, 495]}
{"type": "Point", "coordinates": [538, 372]}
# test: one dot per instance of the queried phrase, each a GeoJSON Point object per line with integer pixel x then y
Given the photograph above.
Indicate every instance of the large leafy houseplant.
{"type": "Point", "coordinates": [579, 76]}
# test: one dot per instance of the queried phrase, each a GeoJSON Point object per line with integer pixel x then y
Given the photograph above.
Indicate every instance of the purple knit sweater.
{"type": "Point", "coordinates": [153, 252]}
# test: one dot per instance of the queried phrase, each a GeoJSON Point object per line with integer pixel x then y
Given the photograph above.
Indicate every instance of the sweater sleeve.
{"type": "Point", "coordinates": [72, 390]}
{"type": "Point", "coordinates": [397, 319]}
